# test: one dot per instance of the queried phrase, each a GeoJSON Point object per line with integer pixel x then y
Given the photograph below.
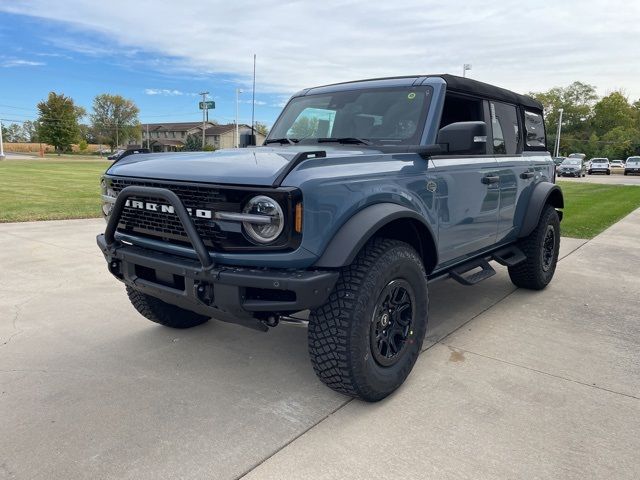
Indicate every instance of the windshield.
{"type": "Point", "coordinates": [633, 160]}
{"type": "Point", "coordinates": [572, 161]}
{"type": "Point", "coordinates": [387, 116]}
{"type": "Point", "coordinates": [599, 160]}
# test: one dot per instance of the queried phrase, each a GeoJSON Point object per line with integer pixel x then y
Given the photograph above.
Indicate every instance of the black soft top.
{"type": "Point", "coordinates": [474, 87]}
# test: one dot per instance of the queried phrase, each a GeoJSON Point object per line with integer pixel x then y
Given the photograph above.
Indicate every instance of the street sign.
{"type": "Point", "coordinates": [210, 105]}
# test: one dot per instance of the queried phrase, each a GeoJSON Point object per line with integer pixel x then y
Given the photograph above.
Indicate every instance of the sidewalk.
{"type": "Point", "coordinates": [541, 385]}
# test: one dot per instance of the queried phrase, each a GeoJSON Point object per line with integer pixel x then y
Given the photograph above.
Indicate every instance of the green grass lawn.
{"type": "Point", "coordinates": [590, 208]}
{"type": "Point", "coordinates": [49, 189]}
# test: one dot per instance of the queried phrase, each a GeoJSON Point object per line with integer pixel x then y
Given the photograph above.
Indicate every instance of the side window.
{"type": "Point", "coordinates": [534, 127]}
{"type": "Point", "coordinates": [506, 131]}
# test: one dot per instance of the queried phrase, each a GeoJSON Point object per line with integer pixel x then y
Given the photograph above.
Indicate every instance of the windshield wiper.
{"type": "Point", "coordinates": [362, 141]}
{"type": "Point", "coordinates": [281, 141]}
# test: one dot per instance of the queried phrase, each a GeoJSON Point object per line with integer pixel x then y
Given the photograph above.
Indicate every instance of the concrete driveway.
{"type": "Point", "coordinates": [512, 384]}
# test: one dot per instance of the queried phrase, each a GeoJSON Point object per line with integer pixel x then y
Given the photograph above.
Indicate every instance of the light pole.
{"type": "Point", "coordinates": [557, 152]}
{"type": "Point", "coordinates": [204, 106]}
{"type": "Point", "coordinates": [1, 144]}
{"type": "Point", "coordinates": [238, 92]}
{"type": "Point", "coordinates": [465, 67]}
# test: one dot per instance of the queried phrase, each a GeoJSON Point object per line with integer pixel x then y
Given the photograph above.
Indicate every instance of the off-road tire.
{"type": "Point", "coordinates": [531, 273]}
{"type": "Point", "coordinates": [163, 313]}
{"type": "Point", "coordinates": [339, 332]}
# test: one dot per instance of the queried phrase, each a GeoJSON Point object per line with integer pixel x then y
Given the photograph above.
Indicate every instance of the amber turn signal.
{"type": "Point", "coordinates": [298, 220]}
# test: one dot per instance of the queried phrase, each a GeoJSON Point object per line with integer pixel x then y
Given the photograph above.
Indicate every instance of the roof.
{"type": "Point", "coordinates": [468, 85]}
{"type": "Point", "coordinates": [173, 126]}
{"type": "Point", "coordinates": [454, 83]}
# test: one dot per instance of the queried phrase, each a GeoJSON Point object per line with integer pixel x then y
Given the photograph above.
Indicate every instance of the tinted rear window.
{"type": "Point", "coordinates": [534, 127]}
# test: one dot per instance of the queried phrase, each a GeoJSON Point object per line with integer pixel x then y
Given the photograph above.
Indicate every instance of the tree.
{"type": "Point", "coordinates": [29, 130]}
{"type": "Point", "coordinates": [193, 143]}
{"type": "Point", "coordinates": [58, 121]}
{"type": "Point", "coordinates": [14, 133]}
{"type": "Point", "coordinates": [262, 128]}
{"type": "Point", "coordinates": [115, 119]}
{"type": "Point", "coordinates": [611, 112]}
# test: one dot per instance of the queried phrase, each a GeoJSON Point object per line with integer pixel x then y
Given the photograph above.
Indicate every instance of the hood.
{"type": "Point", "coordinates": [258, 166]}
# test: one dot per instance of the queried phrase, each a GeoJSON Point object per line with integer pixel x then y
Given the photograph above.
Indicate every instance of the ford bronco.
{"type": "Point", "coordinates": [362, 194]}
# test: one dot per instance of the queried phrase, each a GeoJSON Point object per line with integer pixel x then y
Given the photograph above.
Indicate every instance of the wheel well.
{"type": "Point", "coordinates": [556, 199]}
{"type": "Point", "coordinates": [414, 233]}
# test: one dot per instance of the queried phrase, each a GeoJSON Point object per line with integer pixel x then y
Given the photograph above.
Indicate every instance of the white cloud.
{"type": "Point", "coordinates": [20, 63]}
{"type": "Point", "coordinates": [167, 92]}
{"type": "Point", "coordinates": [518, 45]}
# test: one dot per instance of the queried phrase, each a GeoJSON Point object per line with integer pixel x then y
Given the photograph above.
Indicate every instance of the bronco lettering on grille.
{"type": "Point", "coordinates": [162, 208]}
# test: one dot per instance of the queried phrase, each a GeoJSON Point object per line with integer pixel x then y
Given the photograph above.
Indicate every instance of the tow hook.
{"type": "Point", "coordinates": [204, 292]}
{"type": "Point", "coordinates": [114, 268]}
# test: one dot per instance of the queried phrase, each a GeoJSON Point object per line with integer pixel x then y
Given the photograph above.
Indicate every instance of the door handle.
{"type": "Point", "coordinates": [489, 179]}
{"type": "Point", "coordinates": [527, 175]}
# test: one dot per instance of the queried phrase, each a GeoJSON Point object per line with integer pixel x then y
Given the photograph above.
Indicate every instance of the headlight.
{"type": "Point", "coordinates": [267, 207]}
{"type": "Point", "coordinates": [108, 199]}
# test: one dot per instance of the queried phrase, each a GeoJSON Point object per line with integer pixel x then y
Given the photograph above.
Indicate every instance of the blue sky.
{"type": "Point", "coordinates": [36, 59]}
{"type": "Point", "coordinates": [160, 53]}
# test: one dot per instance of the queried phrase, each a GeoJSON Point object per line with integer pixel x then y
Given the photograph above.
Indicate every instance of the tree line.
{"type": "Point", "coordinates": [598, 127]}
{"type": "Point", "coordinates": [113, 119]}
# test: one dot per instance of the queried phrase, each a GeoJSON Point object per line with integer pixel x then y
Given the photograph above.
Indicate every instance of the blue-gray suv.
{"type": "Point", "coordinates": [362, 194]}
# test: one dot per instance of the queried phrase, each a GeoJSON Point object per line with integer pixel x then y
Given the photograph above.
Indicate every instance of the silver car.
{"type": "Point", "coordinates": [599, 165]}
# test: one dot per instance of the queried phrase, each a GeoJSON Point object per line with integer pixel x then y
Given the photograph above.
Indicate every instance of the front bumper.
{"type": "Point", "coordinates": [240, 295]}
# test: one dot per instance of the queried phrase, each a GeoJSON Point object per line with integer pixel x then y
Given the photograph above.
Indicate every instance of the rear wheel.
{"type": "Point", "coordinates": [163, 313]}
{"type": "Point", "coordinates": [365, 339]}
{"type": "Point", "coordinates": [541, 248]}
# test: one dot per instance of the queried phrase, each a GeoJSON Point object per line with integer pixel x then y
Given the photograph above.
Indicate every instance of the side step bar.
{"type": "Point", "coordinates": [509, 257]}
{"type": "Point", "coordinates": [486, 271]}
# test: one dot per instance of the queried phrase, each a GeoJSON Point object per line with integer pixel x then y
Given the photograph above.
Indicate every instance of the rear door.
{"type": "Point", "coordinates": [516, 171]}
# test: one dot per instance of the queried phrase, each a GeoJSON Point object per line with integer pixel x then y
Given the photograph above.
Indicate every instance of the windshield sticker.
{"type": "Point", "coordinates": [411, 96]}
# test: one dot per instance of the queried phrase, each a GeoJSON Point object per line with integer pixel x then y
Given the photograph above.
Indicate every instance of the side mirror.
{"type": "Point", "coordinates": [465, 138]}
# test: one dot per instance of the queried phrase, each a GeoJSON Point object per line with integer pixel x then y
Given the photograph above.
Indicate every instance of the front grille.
{"type": "Point", "coordinates": [167, 226]}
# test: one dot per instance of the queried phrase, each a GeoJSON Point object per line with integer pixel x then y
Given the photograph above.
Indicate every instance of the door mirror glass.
{"type": "Point", "coordinates": [464, 138]}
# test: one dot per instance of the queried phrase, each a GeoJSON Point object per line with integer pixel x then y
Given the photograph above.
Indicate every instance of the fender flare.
{"type": "Point", "coordinates": [543, 193]}
{"type": "Point", "coordinates": [361, 227]}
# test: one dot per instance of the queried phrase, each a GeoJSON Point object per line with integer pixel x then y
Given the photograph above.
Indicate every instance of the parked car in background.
{"type": "Point", "coordinates": [599, 165]}
{"type": "Point", "coordinates": [572, 167]}
{"type": "Point", "coordinates": [617, 164]}
{"type": "Point", "coordinates": [558, 160]}
{"type": "Point", "coordinates": [120, 154]}
{"type": "Point", "coordinates": [632, 166]}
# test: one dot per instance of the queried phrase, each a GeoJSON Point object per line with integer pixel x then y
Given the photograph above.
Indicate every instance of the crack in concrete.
{"type": "Point", "coordinates": [560, 377]}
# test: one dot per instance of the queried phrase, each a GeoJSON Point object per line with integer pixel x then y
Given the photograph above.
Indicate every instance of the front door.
{"type": "Point", "coordinates": [468, 196]}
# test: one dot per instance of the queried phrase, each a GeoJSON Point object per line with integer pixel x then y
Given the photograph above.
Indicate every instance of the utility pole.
{"type": "Point", "coordinates": [204, 110]}
{"type": "Point", "coordinates": [1, 144]}
{"type": "Point", "coordinates": [238, 92]}
{"type": "Point", "coordinates": [117, 136]}
{"type": "Point", "coordinates": [465, 67]}
{"type": "Point", "coordinates": [557, 152]}
{"type": "Point", "coordinates": [253, 103]}
{"type": "Point", "coordinates": [148, 135]}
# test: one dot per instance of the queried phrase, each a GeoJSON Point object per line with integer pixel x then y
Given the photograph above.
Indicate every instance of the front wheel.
{"type": "Point", "coordinates": [541, 247]}
{"type": "Point", "coordinates": [365, 339]}
{"type": "Point", "coordinates": [163, 313]}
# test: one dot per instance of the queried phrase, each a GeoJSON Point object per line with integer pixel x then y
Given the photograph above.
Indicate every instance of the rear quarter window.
{"type": "Point", "coordinates": [534, 130]}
